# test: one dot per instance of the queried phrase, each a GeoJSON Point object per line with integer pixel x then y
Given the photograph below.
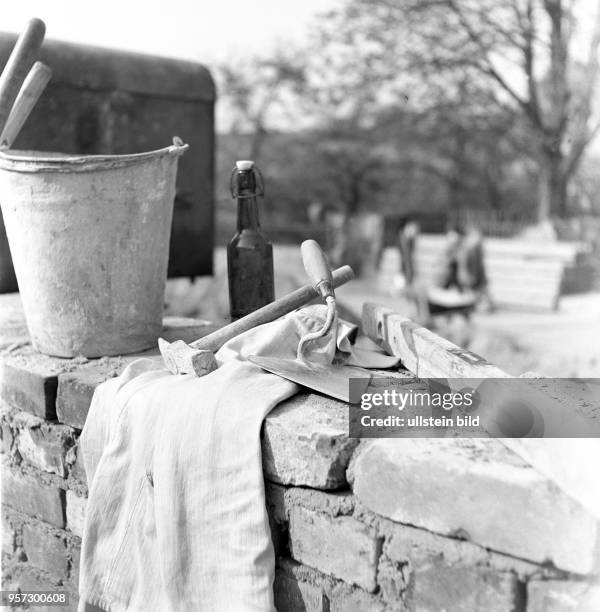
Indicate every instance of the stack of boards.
{"type": "Point", "coordinates": [520, 273]}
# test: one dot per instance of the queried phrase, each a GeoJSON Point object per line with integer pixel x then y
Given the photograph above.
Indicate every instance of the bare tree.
{"type": "Point", "coordinates": [255, 89]}
{"type": "Point", "coordinates": [518, 52]}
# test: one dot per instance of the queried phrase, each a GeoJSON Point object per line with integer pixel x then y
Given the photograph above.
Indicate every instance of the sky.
{"type": "Point", "coordinates": [208, 31]}
{"type": "Point", "coordinates": [203, 30]}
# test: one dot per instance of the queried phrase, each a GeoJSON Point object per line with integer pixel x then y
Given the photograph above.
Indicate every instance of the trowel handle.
{"type": "Point", "coordinates": [317, 268]}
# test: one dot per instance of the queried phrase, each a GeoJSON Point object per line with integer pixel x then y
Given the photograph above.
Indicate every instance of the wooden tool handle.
{"type": "Point", "coordinates": [20, 61]}
{"type": "Point", "coordinates": [422, 352]}
{"type": "Point", "coordinates": [317, 268]}
{"type": "Point", "coordinates": [270, 312]}
{"type": "Point", "coordinates": [30, 92]}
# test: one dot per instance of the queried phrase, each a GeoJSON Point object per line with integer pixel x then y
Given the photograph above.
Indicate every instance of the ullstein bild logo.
{"type": "Point", "coordinates": [383, 407]}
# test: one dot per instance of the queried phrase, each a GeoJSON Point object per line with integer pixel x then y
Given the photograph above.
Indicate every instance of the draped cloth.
{"type": "Point", "coordinates": [176, 516]}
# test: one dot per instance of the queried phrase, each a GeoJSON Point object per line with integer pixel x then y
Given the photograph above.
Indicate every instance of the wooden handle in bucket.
{"type": "Point", "coordinates": [20, 61]}
{"type": "Point", "coordinates": [32, 89]}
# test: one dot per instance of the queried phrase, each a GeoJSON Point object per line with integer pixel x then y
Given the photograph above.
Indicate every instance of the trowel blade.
{"type": "Point", "coordinates": [328, 379]}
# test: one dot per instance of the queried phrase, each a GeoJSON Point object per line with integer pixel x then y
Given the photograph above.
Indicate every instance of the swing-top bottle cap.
{"type": "Point", "coordinates": [244, 165]}
{"type": "Point", "coordinates": [246, 180]}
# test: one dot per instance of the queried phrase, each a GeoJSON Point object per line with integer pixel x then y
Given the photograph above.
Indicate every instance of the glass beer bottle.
{"type": "Point", "coordinates": [249, 254]}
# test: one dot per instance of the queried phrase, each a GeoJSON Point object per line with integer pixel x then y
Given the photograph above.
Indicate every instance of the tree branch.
{"type": "Point", "coordinates": [578, 148]}
{"type": "Point", "coordinates": [582, 135]}
{"type": "Point", "coordinates": [529, 66]}
{"type": "Point", "coordinates": [488, 67]}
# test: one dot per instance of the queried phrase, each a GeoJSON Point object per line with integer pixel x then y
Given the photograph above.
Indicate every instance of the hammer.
{"type": "Point", "coordinates": [198, 357]}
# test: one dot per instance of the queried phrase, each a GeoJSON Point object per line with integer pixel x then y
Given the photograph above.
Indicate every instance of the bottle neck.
{"type": "Point", "coordinates": [247, 217]}
{"type": "Point", "coordinates": [247, 204]}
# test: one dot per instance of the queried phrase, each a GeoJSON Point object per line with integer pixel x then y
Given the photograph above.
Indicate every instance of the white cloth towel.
{"type": "Point", "coordinates": [176, 515]}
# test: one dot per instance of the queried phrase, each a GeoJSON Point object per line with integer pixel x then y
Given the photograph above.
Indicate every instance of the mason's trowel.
{"type": "Point", "coordinates": [330, 379]}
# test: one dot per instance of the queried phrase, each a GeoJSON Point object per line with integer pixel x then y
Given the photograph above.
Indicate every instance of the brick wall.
{"type": "Point", "coordinates": [427, 525]}
{"type": "Point", "coordinates": [43, 493]}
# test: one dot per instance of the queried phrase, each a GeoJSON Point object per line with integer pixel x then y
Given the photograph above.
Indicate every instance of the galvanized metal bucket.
{"type": "Point", "coordinates": [89, 237]}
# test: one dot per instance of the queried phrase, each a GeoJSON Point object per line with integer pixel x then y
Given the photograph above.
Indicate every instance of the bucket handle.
{"type": "Point", "coordinates": [178, 146]}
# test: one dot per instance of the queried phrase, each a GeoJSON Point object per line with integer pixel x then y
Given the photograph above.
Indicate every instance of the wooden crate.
{"type": "Point", "coordinates": [520, 273]}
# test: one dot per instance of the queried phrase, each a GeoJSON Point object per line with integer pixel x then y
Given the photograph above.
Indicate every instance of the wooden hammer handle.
{"type": "Point", "coordinates": [21, 59]}
{"type": "Point", "coordinates": [270, 312]}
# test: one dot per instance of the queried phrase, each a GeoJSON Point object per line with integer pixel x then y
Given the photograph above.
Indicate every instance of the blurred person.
{"type": "Point", "coordinates": [451, 299]}
{"type": "Point", "coordinates": [316, 213]}
{"type": "Point", "coordinates": [408, 280]}
{"type": "Point", "coordinates": [448, 274]}
{"type": "Point", "coordinates": [407, 242]}
{"type": "Point", "coordinates": [336, 231]}
{"type": "Point", "coordinates": [471, 266]}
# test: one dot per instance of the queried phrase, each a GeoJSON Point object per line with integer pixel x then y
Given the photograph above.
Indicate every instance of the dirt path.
{"type": "Point", "coordinates": [562, 343]}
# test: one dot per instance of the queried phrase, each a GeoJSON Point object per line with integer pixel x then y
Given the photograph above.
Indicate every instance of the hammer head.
{"type": "Point", "coordinates": [180, 358]}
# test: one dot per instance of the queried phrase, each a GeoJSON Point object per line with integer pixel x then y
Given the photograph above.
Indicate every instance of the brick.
{"type": "Point", "coordinates": [76, 468]}
{"type": "Point", "coordinates": [477, 490]}
{"type": "Point", "coordinates": [30, 384]}
{"type": "Point", "coordinates": [440, 587]}
{"type": "Point", "coordinates": [29, 578]}
{"type": "Point", "coordinates": [346, 599]}
{"type": "Point", "coordinates": [76, 388]}
{"type": "Point", "coordinates": [392, 578]}
{"type": "Point", "coordinates": [43, 445]}
{"type": "Point", "coordinates": [409, 546]}
{"type": "Point", "coordinates": [45, 550]}
{"type": "Point", "coordinates": [74, 558]}
{"type": "Point", "coordinates": [562, 596]}
{"type": "Point", "coordinates": [7, 437]}
{"type": "Point", "coordinates": [75, 513]}
{"type": "Point", "coordinates": [30, 380]}
{"type": "Point", "coordinates": [8, 536]}
{"type": "Point", "coordinates": [280, 500]}
{"type": "Point", "coordinates": [73, 603]}
{"type": "Point", "coordinates": [292, 595]}
{"type": "Point", "coordinates": [342, 547]}
{"type": "Point", "coordinates": [305, 442]}
{"type": "Point", "coordinates": [340, 596]}
{"type": "Point", "coordinates": [32, 498]}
